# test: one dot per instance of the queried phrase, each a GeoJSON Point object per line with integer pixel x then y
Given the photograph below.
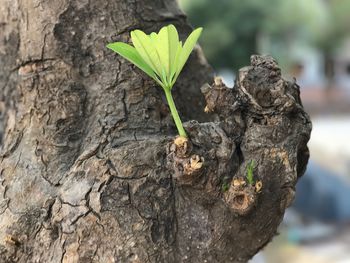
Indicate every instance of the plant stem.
{"type": "Point", "coordinates": [175, 114]}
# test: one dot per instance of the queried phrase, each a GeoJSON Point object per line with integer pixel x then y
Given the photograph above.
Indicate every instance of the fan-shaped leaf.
{"type": "Point", "coordinates": [173, 77]}
{"type": "Point", "coordinates": [162, 47]}
{"type": "Point", "coordinates": [162, 57]}
{"type": "Point", "coordinates": [187, 49]}
{"type": "Point", "coordinates": [147, 51]}
{"type": "Point", "coordinates": [174, 43]}
{"type": "Point", "coordinates": [128, 52]}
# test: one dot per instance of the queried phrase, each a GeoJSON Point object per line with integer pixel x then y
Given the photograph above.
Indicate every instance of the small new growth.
{"type": "Point", "coordinates": [162, 57]}
{"type": "Point", "coordinates": [250, 169]}
{"type": "Point", "coordinates": [225, 186]}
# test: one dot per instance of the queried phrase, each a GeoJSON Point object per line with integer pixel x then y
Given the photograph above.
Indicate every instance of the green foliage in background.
{"type": "Point", "coordinates": [235, 29]}
{"type": "Point", "coordinates": [231, 29]}
{"type": "Point", "coordinates": [162, 57]}
{"type": "Point", "coordinates": [335, 27]}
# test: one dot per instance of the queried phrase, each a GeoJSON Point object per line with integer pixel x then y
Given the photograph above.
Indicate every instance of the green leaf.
{"type": "Point", "coordinates": [173, 40]}
{"type": "Point", "coordinates": [164, 80]}
{"type": "Point", "coordinates": [147, 51]}
{"type": "Point", "coordinates": [162, 46]}
{"type": "Point", "coordinates": [162, 57]}
{"type": "Point", "coordinates": [166, 43]}
{"type": "Point", "coordinates": [172, 79]}
{"type": "Point", "coordinates": [155, 42]}
{"type": "Point", "coordinates": [187, 49]}
{"type": "Point", "coordinates": [128, 52]}
{"type": "Point", "coordinates": [175, 47]}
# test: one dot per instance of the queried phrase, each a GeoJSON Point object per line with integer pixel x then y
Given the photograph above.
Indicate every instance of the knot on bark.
{"type": "Point", "coordinates": [259, 90]}
{"type": "Point", "coordinates": [188, 170]}
{"type": "Point", "coordinates": [182, 147]}
{"type": "Point", "coordinates": [241, 200]}
{"type": "Point", "coordinates": [187, 166]}
{"type": "Point", "coordinates": [241, 197]}
{"type": "Point", "coordinates": [262, 87]}
{"type": "Point", "coordinates": [204, 159]}
{"type": "Point", "coordinates": [193, 165]}
{"type": "Point", "coordinates": [266, 61]}
{"type": "Point", "coordinates": [219, 98]}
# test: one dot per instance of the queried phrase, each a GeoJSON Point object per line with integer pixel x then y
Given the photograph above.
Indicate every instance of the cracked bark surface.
{"type": "Point", "coordinates": [90, 170]}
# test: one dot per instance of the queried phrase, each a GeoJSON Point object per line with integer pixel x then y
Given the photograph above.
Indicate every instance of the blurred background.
{"type": "Point", "coordinates": [311, 41]}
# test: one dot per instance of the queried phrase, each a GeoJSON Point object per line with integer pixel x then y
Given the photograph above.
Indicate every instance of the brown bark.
{"type": "Point", "coordinates": [90, 171]}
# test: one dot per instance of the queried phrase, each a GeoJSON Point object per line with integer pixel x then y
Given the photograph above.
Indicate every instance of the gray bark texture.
{"type": "Point", "coordinates": [91, 169]}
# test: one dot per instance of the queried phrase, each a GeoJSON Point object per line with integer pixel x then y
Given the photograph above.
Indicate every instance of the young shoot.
{"type": "Point", "coordinates": [162, 57]}
{"type": "Point", "coordinates": [250, 168]}
{"type": "Point", "coordinates": [225, 187]}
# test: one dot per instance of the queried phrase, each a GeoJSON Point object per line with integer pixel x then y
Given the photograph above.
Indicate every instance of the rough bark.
{"type": "Point", "coordinates": [90, 170]}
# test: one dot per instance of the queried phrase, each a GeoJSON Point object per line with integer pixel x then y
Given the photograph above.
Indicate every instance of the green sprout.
{"type": "Point", "coordinates": [250, 168]}
{"type": "Point", "coordinates": [162, 57]}
{"type": "Point", "coordinates": [225, 187]}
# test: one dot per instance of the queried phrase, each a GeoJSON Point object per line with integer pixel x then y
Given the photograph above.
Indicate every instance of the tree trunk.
{"type": "Point", "coordinates": [90, 170]}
